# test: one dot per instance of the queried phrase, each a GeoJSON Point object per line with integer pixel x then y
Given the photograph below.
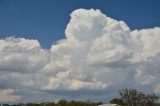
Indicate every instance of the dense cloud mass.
{"type": "Point", "coordinates": [98, 57]}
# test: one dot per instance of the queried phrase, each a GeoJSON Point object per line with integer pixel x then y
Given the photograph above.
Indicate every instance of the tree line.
{"type": "Point", "coordinates": [132, 97]}
{"type": "Point", "coordinates": [59, 103]}
{"type": "Point", "coordinates": [127, 97]}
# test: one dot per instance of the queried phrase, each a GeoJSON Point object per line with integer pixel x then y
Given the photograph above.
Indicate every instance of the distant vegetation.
{"type": "Point", "coordinates": [132, 97]}
{"type": "Point", "coordinates": [60, 103]}
{"type": "Point", "coordinates": [128, 97]}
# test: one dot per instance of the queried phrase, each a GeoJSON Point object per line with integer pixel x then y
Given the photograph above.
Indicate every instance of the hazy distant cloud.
{"type": "Point", "coordinates": [99, 54]}
{"type": "Point", "coordinates": [157, 88]}
{"type": "Point", "coordinates": [6, 95]}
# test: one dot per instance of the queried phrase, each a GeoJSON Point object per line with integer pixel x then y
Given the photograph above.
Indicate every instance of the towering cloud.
{"type": "Point", "coordinates": [98, 55]}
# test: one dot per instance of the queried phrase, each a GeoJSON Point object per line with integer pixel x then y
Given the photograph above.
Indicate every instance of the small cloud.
{"type": "Point", "coordinates": [7, 95]}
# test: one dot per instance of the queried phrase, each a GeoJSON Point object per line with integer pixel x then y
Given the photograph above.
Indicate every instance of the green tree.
{"type": "Point", "coordinates": [5, 104]}
{"type": "Point", "coordinates": [132, 97]}
{"type": "Point", "coordinates": [63, 102]}
{"type": "Point", "coordinates": [117, 101]}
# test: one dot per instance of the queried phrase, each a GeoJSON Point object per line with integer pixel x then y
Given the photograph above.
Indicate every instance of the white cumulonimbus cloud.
{"type": "Point", "coordinates": [98, 55]}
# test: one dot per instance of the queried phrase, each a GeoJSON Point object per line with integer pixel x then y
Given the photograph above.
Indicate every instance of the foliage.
{"type": "Point", "coordinates": [59, 103]}
{"type": "Point", "coordinates": [132, 97]}
{"type": "Point", "coordinates": [117, 101]}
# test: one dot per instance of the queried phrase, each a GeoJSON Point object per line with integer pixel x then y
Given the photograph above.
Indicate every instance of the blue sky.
{"type": "Point", "coordinates": [46, 20]}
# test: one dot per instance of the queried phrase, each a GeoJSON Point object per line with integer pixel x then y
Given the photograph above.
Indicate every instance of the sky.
{"type": "Point", "coordinates": [58, 49]}
{"type": "Point", "coordinates": [46, 20]}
